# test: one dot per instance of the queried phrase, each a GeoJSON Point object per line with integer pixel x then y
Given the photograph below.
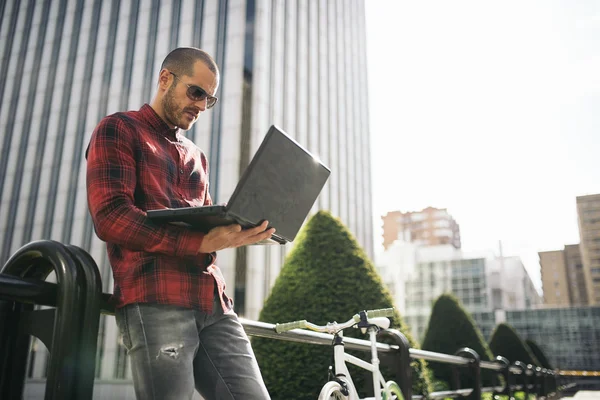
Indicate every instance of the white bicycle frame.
{"type": "Point", "coordinates": [373, 319]}
{"type": "Point", "coordinates": [341, 358]}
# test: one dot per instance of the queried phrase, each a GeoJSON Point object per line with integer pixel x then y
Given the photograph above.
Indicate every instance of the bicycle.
{"type": "Point", "coordinates": [340, 385]}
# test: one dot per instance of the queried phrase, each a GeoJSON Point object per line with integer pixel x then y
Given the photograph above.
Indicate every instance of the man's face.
{"type": "Point", "coordinates": [181, 111]}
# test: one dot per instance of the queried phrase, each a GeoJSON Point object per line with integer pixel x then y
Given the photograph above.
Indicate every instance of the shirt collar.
{"type": "Point", "coordinates": [157, 123]}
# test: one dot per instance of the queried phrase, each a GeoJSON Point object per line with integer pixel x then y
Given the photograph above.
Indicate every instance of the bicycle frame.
{"type": "Point", "coordinates": [341, 358]}
{"type": "Point", "coordinates": [369, 321]}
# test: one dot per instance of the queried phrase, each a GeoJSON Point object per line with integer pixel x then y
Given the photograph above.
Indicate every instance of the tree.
{"type": "Point", "coordinates": [451, 328]}
{"type": "Point", "coordinates": [507, 343]}
{"type": "Point", "coordinates": [538, 353]}
{"type": "Point", "coordinates": [326, 277]}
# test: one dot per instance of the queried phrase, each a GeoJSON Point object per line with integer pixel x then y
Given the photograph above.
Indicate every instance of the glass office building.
{"type": "Point", "coordinates": [67, 63]}
{"type": "Point", "coordinates": [569, 337]}
{"type": "Point", "coordinates": [465, 278]}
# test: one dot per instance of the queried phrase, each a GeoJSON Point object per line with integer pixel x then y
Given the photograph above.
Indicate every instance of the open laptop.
{"type": "Point", "coordinates": [280, 185]}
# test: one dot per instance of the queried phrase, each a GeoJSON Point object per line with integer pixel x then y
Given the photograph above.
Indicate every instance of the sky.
{"type": "Point", "coordinates": [488, 109]}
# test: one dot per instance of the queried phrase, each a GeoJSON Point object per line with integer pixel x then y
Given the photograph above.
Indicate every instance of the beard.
{"type": "Point", "coordinates": [173, 113]}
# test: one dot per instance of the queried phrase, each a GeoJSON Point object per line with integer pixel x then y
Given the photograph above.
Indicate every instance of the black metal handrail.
{"type": "Point", "coordinates": [69, 331]}
{"type": "Point", "coordinates": [78, 302]}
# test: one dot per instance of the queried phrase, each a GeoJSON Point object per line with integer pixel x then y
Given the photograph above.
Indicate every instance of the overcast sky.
{"type": "Point", "coordinates": [488, 109]}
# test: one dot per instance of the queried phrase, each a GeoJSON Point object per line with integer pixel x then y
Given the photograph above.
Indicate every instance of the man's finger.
{"type": "Point", "coordinates": [234, 228]}
{"type": "Point", "coordinates": [261, 228]}
{"type": "Point", "coordinates": [261, 236]}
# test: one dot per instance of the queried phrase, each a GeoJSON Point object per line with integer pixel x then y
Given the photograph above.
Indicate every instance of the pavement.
{"type": "Point", "coordinates": [584, 395]}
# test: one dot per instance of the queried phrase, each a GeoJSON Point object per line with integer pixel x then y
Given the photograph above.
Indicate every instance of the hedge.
{"type": "Point", "coordinates": [539, 354]}
{"type": "Point", "coordinates": [507, 343]}
{"type": "Point", "coordinates": [451, 328]}
{"type": "Point", "coordinates": [326, 277]}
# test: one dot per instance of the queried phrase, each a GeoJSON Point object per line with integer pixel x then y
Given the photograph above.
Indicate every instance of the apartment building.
{"type": "Point", "coordinates": [430, 226]}
{"type": "Point", "coordinates": [588, 215]}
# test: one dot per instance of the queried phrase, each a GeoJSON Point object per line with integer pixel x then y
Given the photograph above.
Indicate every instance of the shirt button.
{"type": "Point", "coordinates": [181, 171]}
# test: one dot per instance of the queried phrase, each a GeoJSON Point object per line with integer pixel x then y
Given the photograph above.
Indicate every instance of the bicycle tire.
{"type": "Point", "coordinates": [394, 390]}
{"type": "Point", "coordinates": [332, 391]}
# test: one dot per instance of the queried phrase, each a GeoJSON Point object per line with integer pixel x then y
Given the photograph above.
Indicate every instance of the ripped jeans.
{"type": "Point", "coordinates": [174, 350]}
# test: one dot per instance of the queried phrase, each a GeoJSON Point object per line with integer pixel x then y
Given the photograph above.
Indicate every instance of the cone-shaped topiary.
{"type": "Point", "coordinates": [507, 343]}
{"type": "Point", "coordinates": [538, 353]}
{"type": "Point", "coordinates": [451, 328]}
{"type": "Point", "coordinates": [326, 277]}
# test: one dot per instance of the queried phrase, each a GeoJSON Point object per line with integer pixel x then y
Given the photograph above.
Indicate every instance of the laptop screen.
{"type": "Point", "coordinates": [280, 185]}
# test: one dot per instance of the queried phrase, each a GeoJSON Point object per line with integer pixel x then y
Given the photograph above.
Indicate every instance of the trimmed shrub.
{"type": "Point", "coordinates": [507, 343]}
{"type": "Point", "coordinates": [451, 328]}
{"type": "Point", "coordinates": [538, 353]}
{"type": "Point", "coordinates": [326, 277]}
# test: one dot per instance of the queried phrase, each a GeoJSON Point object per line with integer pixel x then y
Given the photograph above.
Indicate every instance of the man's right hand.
{"type": "Point", "coordinates": [231, 236]}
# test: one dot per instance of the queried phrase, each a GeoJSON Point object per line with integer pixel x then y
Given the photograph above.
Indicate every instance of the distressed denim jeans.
{"type": "Point", "coordinates": [174, 350]}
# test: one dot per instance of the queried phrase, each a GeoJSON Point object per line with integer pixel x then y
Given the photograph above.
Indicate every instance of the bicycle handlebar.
{"type": "Point", "coordinates": [382, 312]}
{"type": "Point", "coordinates": [288, 326]}
{"type": "Point", "coordinates": [332, 327]}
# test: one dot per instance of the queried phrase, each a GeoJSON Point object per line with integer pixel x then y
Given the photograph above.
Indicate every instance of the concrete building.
{"type": "Point", "coordinates": [555, 279]}
{"type": "Point", "coordinates": [68, 63]}
{"type": "Point", "coordinates": [576, 273]}
{"type": "Point", "coordinates": [431, 227]}
{"type": "Point", "coordinates": [563, 277]}
{"type": "Point", "coordinates": [588, 213]}
{"type": "Point", "coordinates": [511, 287]}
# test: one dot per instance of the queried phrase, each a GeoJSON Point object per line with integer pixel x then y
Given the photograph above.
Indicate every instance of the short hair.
{"type": "Point", "coordinates": [182, 60]}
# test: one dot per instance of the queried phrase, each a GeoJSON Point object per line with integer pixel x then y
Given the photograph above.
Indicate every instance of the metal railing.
{"type": "Point", "coordinates": [70, 328]}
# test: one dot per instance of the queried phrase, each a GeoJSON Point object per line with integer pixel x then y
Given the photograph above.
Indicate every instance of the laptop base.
{"type": "Point", "coordinates": [205, 218]}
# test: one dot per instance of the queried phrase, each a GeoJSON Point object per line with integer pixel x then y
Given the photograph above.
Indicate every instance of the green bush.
{"type": "Point", "coordinates": [507, 343]}
{"type": "Point", "coordinates": [538, 353]}
{"type": "Point", "coordinates": [326, 277]}
{"type": "Point", "coordinates": [451, 328]}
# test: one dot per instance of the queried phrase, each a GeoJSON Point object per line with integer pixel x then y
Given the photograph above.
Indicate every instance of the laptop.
{"type": "Point", "coordinates": [280, 185]}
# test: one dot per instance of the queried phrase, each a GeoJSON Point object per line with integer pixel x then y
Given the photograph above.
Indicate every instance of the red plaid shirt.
{"type": "Point", "coordinates": [135, 162]}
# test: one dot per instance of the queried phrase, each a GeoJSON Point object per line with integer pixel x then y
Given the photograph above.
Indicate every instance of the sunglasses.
{"type": "Point", "coordinates": [196, 93]}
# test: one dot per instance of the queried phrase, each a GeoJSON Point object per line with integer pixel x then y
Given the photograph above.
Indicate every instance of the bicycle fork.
{"type": "Point", "coordinates": [375, 363]}
{"type": "Point", "coordinates": [341, 373]}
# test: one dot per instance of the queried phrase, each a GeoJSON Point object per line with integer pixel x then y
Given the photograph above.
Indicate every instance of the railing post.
{"type": "Point", "coordinates": [531, 371]}
{"type": "Point", "coordinates": [525, 379]}
{"type": "Point", "coordinates": [505, 372]}
{"type": "Point", "coordinates": [474, 368]}
{"type": "Point", "coordinates": [90, 322]}
{"type": "Point", "coordinates": [402, 363]}
{"type": "Point", "coordinates": [545, 388]}
{"type": "Point", "coordinates": [554, 381]}
{"type": "Point", "coordinates": [69, 331]}
{"type": "Point", "coordinates": [14, 348]}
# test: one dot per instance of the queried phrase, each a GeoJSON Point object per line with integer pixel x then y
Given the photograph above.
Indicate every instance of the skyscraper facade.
{"type": "Point", "coordinates": [67, 63]}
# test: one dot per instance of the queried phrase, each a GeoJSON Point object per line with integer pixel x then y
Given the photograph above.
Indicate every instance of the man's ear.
{"type": "Point", "coordinates": [164, 79]}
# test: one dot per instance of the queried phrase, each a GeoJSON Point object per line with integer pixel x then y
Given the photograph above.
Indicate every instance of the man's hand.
{"type": "Point", "coordinates": [231, 236]}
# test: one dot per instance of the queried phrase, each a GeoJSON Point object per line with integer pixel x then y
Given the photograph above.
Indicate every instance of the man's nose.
{"type": "Point", "coordinates": [202, 104]}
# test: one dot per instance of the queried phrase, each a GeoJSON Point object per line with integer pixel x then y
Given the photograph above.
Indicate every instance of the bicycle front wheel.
{"type": "Point", "coordinates": [332, 391]}
{"type": "Point", "coordinates": [395, 391]}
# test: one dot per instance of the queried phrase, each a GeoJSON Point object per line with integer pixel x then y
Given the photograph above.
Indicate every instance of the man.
{"type": "Point", "coordinates": [176, 320]}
